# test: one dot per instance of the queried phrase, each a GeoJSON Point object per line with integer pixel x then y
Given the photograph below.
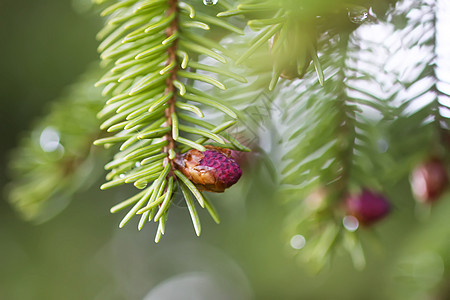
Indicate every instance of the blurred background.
{"type": "Point", "coordinates": [81, 254]}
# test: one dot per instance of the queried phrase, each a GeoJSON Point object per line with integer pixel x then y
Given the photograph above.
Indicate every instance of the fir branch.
{"type": "Point", "coordinates": [55, 160]}
{"type": "Point", "coordinates": [291, 31]}
{"type": "Point", "coordinates": [331, 168]}
{"type": "Point", "coordinates": [329, 147]}
{"type": "Point", "coordinates": [170, 86]}
{"type": "Point", "coordinates": [154, 46]}
{"type": "Point", "coordinates": [420, 102]}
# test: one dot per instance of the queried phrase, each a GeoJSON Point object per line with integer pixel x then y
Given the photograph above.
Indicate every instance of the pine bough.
{"type": "Point", "coordinates": [152, 50]}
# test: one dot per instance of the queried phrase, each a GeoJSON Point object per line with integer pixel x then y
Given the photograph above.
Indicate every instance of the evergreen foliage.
{"type": "Point", "coordinates": [334, 98]}
{"type": "Point", "coordinates": [57, 158]}
{"type": "Point", "coordinates": [152, 50]}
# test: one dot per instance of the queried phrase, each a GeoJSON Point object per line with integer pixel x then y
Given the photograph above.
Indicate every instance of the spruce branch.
{"type": "Point", "coordinates": [331, 137]}
{"type": "Point", "coordinates": [154, 49]}
{"type": "Point", "coordinates": [56, 159]}
{"type": "Point", "coordinates": [420, 102]}
{"type": "Point", "coordinates": [290, 30]}
{"type": "Point", "coordinates": [170, 114]}
{"type": "Point", "coordinates": [402, 101]}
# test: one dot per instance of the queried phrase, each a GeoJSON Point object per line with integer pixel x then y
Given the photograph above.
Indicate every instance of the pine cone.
{"type": "Point", "coordinates": [213, 170]}
{"type": "Point", "coordinates": [429, 180]}
{"type": "Point", "coordinates": [368, 207]}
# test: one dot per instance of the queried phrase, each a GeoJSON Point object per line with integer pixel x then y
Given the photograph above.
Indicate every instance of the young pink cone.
{"type": "Point", "coordinates": [429, 180]}
{"type": "Point", "coordinates": [368, 207]}
{"type": "Point", "coordinates": [213, 170]}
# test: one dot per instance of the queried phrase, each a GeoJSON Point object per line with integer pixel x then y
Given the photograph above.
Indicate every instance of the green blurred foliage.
{"type": "Point", "coordinates": [45, 45]}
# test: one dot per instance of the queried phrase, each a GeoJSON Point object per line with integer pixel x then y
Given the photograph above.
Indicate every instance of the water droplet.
{"type": "Point", "coordinates": [49, 140]}
{"type": "Point", "coordinates": [350, 223]}
{"type": "Point", "coordinates": [210, 2]}
{"type": "Point", "coordinates": [141, 184]}
{"type": "Point", "coordinates": [298, 241]}
{"type": "Point", "coordinates": [137, 164]}
{"type": "Point", "coordinates": [358, 14]}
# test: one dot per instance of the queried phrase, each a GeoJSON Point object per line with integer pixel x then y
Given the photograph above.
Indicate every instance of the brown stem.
{"type": "Point", "coordinates": [170, 88]}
